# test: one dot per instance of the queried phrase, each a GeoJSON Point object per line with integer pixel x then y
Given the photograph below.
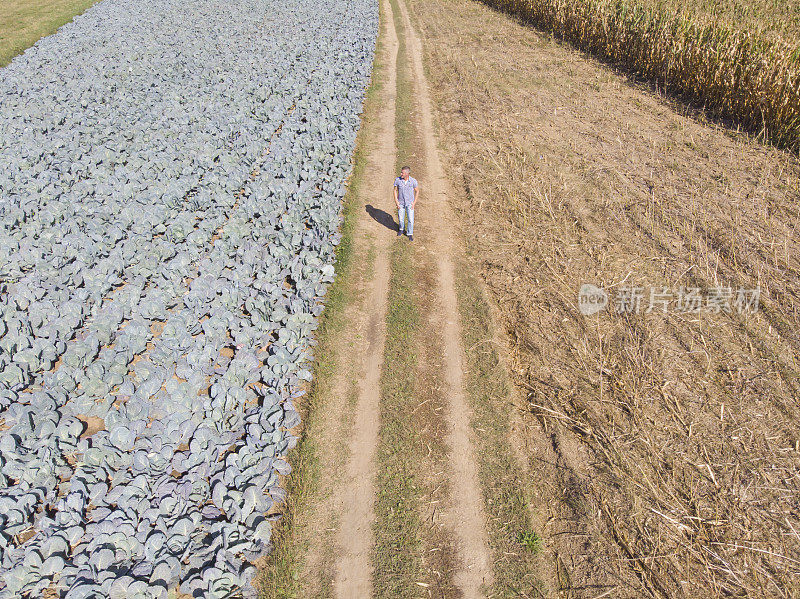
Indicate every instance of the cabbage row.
{"type": "Point", "coordinates": [171, 175]}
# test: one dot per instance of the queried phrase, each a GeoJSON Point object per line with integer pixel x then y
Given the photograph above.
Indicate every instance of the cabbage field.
{"type": "Point", "coordinates": [171, 175]}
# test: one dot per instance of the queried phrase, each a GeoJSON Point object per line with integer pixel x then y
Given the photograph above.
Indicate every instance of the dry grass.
{"type": "Point", "coordinates": [666, 444]}
{"type": "Point", "coordinates": [719, 62]}
{"type": "Point", "coordinates": [520, 569]}
{"type": "Point", "coordinates": [23, 22]}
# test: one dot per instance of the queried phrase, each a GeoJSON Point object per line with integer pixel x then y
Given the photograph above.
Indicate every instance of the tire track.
{"type": "Point", "coordinates": [353, 576]}
{"type": "Point", "coordinates": [465, 515]}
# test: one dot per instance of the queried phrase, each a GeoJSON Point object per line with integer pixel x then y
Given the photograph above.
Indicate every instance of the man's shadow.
{"type": "Point", "coordinates": [382, 217]}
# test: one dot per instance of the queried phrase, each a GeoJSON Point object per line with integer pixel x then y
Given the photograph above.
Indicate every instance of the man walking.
{"type": "Point", "coordinates": [405, 196]}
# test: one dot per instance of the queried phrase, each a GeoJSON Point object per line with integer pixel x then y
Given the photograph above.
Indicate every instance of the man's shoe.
{"type": "Point", "coordinates": [399, 232]}
{"type": "Point", "coordinates": [411, 238]}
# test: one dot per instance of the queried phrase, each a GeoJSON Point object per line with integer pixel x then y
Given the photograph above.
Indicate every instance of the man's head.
{"type": "Point", "coordinates": [405, 172]}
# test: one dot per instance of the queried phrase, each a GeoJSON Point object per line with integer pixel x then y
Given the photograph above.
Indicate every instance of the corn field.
{"type": "Point", "coordinates": [735, 73]}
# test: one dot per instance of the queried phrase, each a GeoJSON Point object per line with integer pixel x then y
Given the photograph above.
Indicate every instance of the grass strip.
{"type": "Point", "coordinates": [397, 558]}
{"type": "Point", "coordinates": [406, 141]}
{"type": "Point", "coordinates": [279, 575]}
{"type": "Point", "coordinates": [396, 554]}
{"type": "Point", "coordinates": [24, 22]}
{"type": "Point", "coordinates": [516, 546]}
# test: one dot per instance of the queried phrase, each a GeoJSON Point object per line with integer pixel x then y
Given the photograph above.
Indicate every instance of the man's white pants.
{"type": "Point", "coordinates": [402, 215]}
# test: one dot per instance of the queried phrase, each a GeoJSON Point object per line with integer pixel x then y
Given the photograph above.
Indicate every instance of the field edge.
{"type": "Point", "coordinates": [278, 574]}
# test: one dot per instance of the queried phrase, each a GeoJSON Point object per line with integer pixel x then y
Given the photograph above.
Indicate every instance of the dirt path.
{"type": "Point", "coordinates": [354, 542]}
{"type": "Point", "coordinates": [560, 172]}
{"type": "Point", "coordinates": [465, 516]}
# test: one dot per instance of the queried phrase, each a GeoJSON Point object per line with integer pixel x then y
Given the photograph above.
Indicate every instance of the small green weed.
{"type": "Point", "coordinates": [530, 541]}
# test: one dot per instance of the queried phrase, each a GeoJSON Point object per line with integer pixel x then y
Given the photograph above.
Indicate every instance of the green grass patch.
{"type": "Point", "coordinates": [530, 541]}
{"type": "Point", "coordinates": [405, 130]}
{"type": "Point", "coordinates": [396, 554]}
{"type": "Point", "coordinates": [24, 22]}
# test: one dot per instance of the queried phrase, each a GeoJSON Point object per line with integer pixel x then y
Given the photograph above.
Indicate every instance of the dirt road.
{"type": "Point", "coordinates": [466, 516]}
{"type": "Point", "coordinates": [354, 540]}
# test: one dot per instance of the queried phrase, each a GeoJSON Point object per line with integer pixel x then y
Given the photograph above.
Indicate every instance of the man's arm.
{"type": "Point", "coordinates": [416, 193]}
{"type": "Point", "coordinates": [396, 200]}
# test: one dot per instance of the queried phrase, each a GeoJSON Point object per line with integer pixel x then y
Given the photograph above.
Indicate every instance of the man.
{"type": "Point", "coordinates": [405, 196]}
